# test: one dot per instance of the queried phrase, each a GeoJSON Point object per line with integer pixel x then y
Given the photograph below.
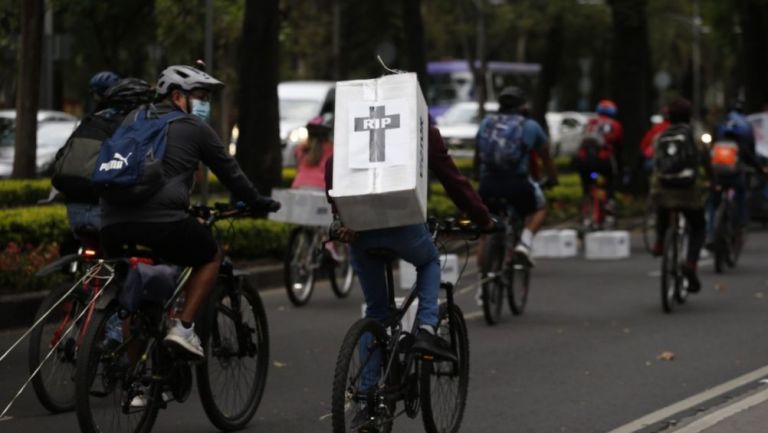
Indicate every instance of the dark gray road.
{"type": "Point", "coordinates": [583, 358]}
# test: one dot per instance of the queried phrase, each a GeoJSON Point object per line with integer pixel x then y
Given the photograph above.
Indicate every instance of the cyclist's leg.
{"type": "Point", "coordinates": [528, 201]}
{"type": "Point", "coordinates": [662, 223]}
{"type": "Point", "coordinates": [696, 234]}
{"type": "Point", "coordinates": [415, 246]}
{"type": "Point", "coordinates": [712, 204]}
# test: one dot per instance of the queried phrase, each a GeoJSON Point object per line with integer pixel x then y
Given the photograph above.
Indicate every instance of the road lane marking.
{"type": "Point", "coordinates": [6, 418]}
{"type": "Point", "coordinates": [715, 417]}
{"type": "Point", "coordinates": [692, 401]}
{"type": "Point", "coordinates": [473, 315]}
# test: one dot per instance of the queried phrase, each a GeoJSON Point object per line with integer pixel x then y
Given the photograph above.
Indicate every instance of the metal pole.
{"type": "Point", "coordinates": [47, 94]}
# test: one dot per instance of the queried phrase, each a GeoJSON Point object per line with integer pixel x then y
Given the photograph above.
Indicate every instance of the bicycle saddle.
{"type": "Point", "coordinates": [385, 254]}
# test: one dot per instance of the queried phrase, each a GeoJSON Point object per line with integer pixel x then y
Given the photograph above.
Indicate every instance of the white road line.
{"type": "Point", "coordinates": [473, 315]}
{"type": "Point", "coordinates": [690, 402]}
{"type": "Point", "coordinates": [6, 418]}
{"type": "Point", "coordinates": [728, 411]}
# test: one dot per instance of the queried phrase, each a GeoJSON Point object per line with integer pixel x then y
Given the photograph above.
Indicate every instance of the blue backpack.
{"type": "Point", "coordinates": [129, 168]}
{"type": "Point", "coordinates": [500, 141]}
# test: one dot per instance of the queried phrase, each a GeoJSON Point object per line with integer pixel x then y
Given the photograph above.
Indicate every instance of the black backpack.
{"type": "Point", "coordinates": [676, 157]}
{"type": "Point", "coordinates": [74, 163]}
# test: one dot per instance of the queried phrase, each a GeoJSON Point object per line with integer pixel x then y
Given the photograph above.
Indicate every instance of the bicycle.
{"type": "Point", "coordinates": [674, 285]}
{"type": "Point", "coordinates": [594, 206]}
{"type": "Point", "coordinates": [436, 386]}
{"type": "Point", "coordinates": [649, 224]}
{"type": "Point", "coordinates": [307, 255]}
{"type": "Point", "coordinates": [728, 235]}
{"type": "Point", "coordinates": [121, 386]}
{"type": "Point", "coordinates": [501, 269]}
{"type": "Point", "coordinates": [52, 375]}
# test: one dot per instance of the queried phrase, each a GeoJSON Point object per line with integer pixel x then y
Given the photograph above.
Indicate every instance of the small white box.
{"type": "Point", "coordinates": [380, 152]}
{"type": "Point", "coordinates": [555, 244]}
{"type": "Point", "coordinates": [305, 207]}
{"type": "Point", "coordinates": [449, 271]}
{"type": "Point", "coordinates": [410, 316]}
{"type": "Point", "coordinates": [607, 245]}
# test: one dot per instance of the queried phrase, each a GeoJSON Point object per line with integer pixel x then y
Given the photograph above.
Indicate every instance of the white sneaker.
{"type": "Point", "coordinates": [185, 339]}
{"type": "Point", "coordinates": [523, 254]}
{"type": "Point", "coordinates": [140, 401]}
{"type": "Point", "coordinates": [479, 297]}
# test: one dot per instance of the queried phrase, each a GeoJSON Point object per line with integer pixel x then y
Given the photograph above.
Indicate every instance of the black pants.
{"type": "Point", "coordinates": [696, 229]}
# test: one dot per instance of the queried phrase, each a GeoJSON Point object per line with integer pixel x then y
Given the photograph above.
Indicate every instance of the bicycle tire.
{"type": "Point", "coordinates": [298, 274]}
{"type": "Point", "coordinates": [668, 270]}
{"type": "Point", "coordinates": [346, 397]}
{"type": "Point", "coordinates": [721, 238]}
{"type": "Point", "coordinates": [450, 405]}
{"type": "Point", "coordinates": [63, 359]}
{"type": "Point", "coordinates": [518, 286]}
{"type": "Point", "coordinates": [681, 283]}
{"type": "Point", "coordinates": [340, 273]}
{"type": "Point", "coordinates": [89, 360]}
{"type": "Point", "coordinates": [649, 226]}
{"type": "Point", "coordinates": [492, 288]}
{"type": "Point", "coordinates": [214, 324]}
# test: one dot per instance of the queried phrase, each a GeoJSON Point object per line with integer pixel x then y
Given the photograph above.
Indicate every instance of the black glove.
{"type": "Point", "coordinates": [266, 204]}
{"type": "Point", "coordinates": [498, 225]}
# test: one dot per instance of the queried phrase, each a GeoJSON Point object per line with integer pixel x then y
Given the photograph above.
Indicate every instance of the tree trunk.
{"type": "Point", "coordinates": [414, 35]}
{"type": "Point", "coordinates": [631, 80]}
{"type": "Point", "coordinates": [28, 95]}
{"type": "Point", "coordinates": [549, 71]}
{"type": "Point", "coordinates": [754, 17]}
{"type": "Point", "coordinates": [258, 147]}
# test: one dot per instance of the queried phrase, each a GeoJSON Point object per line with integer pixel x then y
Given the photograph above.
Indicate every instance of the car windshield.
{"type": "Point", "coordinates": [298, 109]}
{"type": "Point", "coordinates": [7, 135]}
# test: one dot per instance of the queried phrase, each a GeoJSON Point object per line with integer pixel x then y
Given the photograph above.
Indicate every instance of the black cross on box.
{"type": "Point", "coordinates": [376, 124]}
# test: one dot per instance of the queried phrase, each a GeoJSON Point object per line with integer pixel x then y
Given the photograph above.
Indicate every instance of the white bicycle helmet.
{"type": "Point", "coordinates": [186, 78]}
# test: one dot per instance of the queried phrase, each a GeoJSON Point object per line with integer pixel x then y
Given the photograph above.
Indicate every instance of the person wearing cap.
{"type": "Point", "coordinates": [600, 150]}
{"type": "Point", "coordinates": [509, 182]}
{"type": "Point", "coordinates": [162, 222]}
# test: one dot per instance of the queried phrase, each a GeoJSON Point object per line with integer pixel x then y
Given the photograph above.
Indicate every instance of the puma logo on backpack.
{"type": "Point", "coordinates": [500, 141]}
{"type": "Point", "coordinates": [676, 157]}
{"type": "Point", "coordinates": [116, 163]}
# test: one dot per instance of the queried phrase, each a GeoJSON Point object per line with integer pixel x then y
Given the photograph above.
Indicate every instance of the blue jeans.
{"type": "Point", "coordinates": [83, 214]}
{"type": "Point", "coordinates": [413, 244]}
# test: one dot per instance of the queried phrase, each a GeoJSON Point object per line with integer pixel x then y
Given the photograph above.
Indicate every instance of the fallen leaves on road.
{"type": "Point", "coordinates": [666, 356]}
{"type": "Point", "coordinates": [279, 364]}
{"type": "Point", "coordinates": [720, 287]}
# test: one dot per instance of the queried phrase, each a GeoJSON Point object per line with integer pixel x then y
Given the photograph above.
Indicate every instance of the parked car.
{"type": "Point", "coordinates": [300, 101]}
{"type": "Point", "coordinates": [565, 130]}
{"type": "Point", "coordinates": [53, 130]}
{"type": "Point", "coordinates": [458, 126]}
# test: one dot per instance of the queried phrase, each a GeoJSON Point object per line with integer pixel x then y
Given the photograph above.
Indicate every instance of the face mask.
{"type": "Point", "coordinates": [201, 109]}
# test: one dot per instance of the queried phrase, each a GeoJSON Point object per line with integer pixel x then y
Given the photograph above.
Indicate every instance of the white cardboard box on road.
{"type": "Point", "coordinates": [607, 245]}
{"type": "Point", "coordinates": [555, 243]}
{"type": "Point", "coordinates": [449, 271]}
{"type": "Point", "coordinates": [305, 207]}
{"type": "Point", "coordinates": [380, 152]}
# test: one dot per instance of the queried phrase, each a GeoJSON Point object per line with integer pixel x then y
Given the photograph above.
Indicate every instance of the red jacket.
{"type": "Point", "coordinates": [442, 166]}
{"type": "Point", "coordinates": [646, 144]}
{"type": "Point", "coordinates": [611, 131]}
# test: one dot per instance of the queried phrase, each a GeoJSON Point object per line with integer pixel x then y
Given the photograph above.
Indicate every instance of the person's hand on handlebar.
{"type": "Point", "coordinates": [496, 225]}
{"type": "Point", "coordinates": [266, 204]}
{"type": "Point", "coordinates": [338, 231]}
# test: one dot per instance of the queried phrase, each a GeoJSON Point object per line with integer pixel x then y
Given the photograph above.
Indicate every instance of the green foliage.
{"type": "Point", "coordinates": [252, 239]}
{"type": "Point", "coordinates": [23, 192]}
{"type": "Point", "coordinates": [33, 225]}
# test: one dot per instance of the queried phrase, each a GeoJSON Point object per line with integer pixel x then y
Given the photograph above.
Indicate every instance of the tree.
{"type": "Point", "coordinates": [754, 19]}
{"type": "Point", "coordinates": [28, 95]}
{"type": "Point", "coordinates": [631, 76]}
{"type": "Point", "coordinates": [414, 34]}
{"type": "Point", "coordinates": [258, 147]}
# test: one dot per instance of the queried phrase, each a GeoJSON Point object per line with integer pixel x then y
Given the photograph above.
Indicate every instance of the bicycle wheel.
{"type": "Point", "coordinates": [649, 226]}
{"type": "Point", "coordinates": [359, 366]}
{"type": "Point", "coordinates": [681, 283]}
{"type": "Point", "coordinates": [722, 237]}
{"type": "Point", "coordinates": [518, 276]}
{"type": "Point", "coordinates": [236, 341]}
{"type": "Point", "coordinates": [113, 393]}
{"type": "Point", "coordinates": [669, 270]}
{"type": "Point", "coordinates": [54, 384]}
{"type": "Point", "coordinates": [492, 288]}
{"type": "Point", "coordinates": [340, 272]}
{"type": "Point", "coordinates": [299, 266]}
{"type": "Point", "coordinates": [444, 384]}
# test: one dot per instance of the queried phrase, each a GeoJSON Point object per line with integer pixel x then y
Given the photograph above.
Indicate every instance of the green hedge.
{"type": "Point", "coordinates": [23, 192]}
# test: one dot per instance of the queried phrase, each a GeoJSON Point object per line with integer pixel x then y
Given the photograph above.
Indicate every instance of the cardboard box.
{"type": "Point", "coordinates": [555, 244]}
{"type": "Point", "coordinates": [307, 207]}
{"type": "Point", "coordinates": [449, 271]}
{"type": "Point", "coordinates": [607, 245]}
{"type": "Point", "coordinates": [380, 152]}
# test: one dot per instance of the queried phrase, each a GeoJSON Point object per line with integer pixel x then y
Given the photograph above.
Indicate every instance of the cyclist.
{"type": "Point", "coordinates": [162, 222]}
{"type": "Point", "coordinates": [734, 149]}
{"type": "Point", "coordinates": [660, 124]}
{"type": "Point", "coordinates": [678, 184]}
{"type": "Point", "coordinates": [97, 87]}
{"type": "Point", "coordinates": [505, 142]}
{"type": "Point", "coordinates": [600, 149]}
{"type": "Point", "coordinates": [413, 243]}
{"type": "Point", "coordinates": [312, 156]}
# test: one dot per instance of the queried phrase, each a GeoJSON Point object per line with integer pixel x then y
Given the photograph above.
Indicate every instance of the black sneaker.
{"type": "Point", "coordinates": [429, 345]}
{"type": "Point", "coordinates": [694, 284]}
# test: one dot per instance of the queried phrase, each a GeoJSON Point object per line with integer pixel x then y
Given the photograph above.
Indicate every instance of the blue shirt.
{"type": "Point", "coordinates": [533, 138]}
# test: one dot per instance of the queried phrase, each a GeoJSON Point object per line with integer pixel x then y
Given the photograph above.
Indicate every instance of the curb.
{"type": "Point", "coordinates": [18, 310]}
